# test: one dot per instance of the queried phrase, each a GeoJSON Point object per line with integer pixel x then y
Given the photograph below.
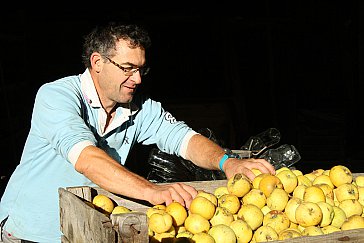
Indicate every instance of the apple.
{"type": "Point", "coordinates": [202, 237]}
{"type": "Point", "coordinates": [220, 191]}
{"type": "Point", "coordinates": [251, 214]}
{"type": "Point", "coordinates": [242, 231]}
{"type": "Point", "coordinates": [308, 214]}
{"type": "Point", "coordinates": [278, 199]}
{"type": "Point", "coordinates": [328, 213]}
{"type": "Point", "coordinates": [314, 194]}
{"type": "Point", "coordinates": [310, 176]}
{"type": "Point", "coordinates": [346, 191]}
{"type": "Point", "coordinates": [288, 179]}
{"type": "Point", "coordinates": [299, 191]}
{"type": "Point", "coordinates": [256, 197]}
{"type": "Point", "coordinates": [291, 207]}
{"type": "Point", "coordinates": [351, 207]}
{"type": "Point", "coordinates": [327, 189]}
{"type": "Point", "coordinates": [340, 174]}
{"type": "Point", "coordinates": [239, 185]}
{"type": "Point", "coordinates": [221, 216]}
{"type": "Point", "coordinates": [303, 180]}
{"type": "Point", "coordinates": [222, 234]}
{"type": "Point", "coordinates": [330, 229]}
{"type": "Point", "coordinates": [265, 210]}
{"type": "Point", "coordinates": [209, 196]}
{"type": "Point", "coordinates": [195, 223]}
{"type": "Point", "coordinates": [264, 233]}
{"type": "Point", "coordinates": [278, 220]}
{"type": "Point", "coordinates": [160, 222]}
{"type": "Point", "coordinates": [312, 231]}
{"type": "Point", "coordinates": [289, 234]}
{"type": "Point", "coordinates": [318, 172]}
{"type": "Point", "coordinates": [359, 181]}
{"type": "Point", "coordinates": [323, 179]}
{"type": "Point", "coordinates": [353, 222]}
{"type": "Point", "coordinates": [202, 206]}
{"type": "Point", "coordinates": [257, 179]}
{"type": "Point", "coordinates": [268, 183]}
{"type": "Point", "coordinates": [339, 217]}
{"type": "Point", "coordinates": [229, 201]}
{"type": "Point", "coordinates": [297, 172]}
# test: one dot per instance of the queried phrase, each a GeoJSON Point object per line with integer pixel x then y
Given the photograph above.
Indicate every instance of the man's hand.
{"type": "Point", "coordinates": [173, 192]}
{"type": "Point", "coordinates": [233, 166]}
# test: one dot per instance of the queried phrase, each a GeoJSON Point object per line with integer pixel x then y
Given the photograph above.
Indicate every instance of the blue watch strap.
{"type": "Point", "coordinates": [222, 161]}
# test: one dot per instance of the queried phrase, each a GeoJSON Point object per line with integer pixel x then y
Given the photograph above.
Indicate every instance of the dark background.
{"type": "Point", "coordinates": [238, 70]}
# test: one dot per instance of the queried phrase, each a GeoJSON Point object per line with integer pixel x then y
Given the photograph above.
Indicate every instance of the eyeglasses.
{"type": "Point", "coordinates": [129, 71]}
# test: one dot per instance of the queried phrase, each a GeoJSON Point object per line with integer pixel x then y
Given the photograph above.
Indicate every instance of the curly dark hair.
{"type": "Point", "coordinates": [102, 39]}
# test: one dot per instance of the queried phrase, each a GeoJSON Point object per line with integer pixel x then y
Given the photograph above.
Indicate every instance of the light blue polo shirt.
{"type": "Point", "coordinates": [67, 116]}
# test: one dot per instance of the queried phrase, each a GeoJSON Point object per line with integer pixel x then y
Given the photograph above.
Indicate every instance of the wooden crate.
{"type": "Point", "coordinates": [82, 223]}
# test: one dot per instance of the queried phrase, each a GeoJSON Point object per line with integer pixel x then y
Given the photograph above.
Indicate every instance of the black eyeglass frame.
{"type": "Point", "coordinates": [129, 71]}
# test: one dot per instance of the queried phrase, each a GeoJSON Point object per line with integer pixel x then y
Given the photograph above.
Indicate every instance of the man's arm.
{"type": "Point", "coordinates": [107, 173]}
{"type": "Point", "coordinates": [207, 154]}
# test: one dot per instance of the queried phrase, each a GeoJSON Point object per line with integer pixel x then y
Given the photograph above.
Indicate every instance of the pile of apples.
{"type": "Point", "coordinates": [286, 205]}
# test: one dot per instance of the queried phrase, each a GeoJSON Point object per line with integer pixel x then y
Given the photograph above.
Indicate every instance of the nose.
{"type": "Point", "coordinates": [136, 77]}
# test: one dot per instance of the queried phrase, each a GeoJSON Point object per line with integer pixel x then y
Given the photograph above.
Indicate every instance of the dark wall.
{"type": "Point", "coordinates": [294, 66]}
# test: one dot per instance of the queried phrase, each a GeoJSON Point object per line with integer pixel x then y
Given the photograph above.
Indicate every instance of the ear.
{"type": "Point", "coordinates": [96, 62]}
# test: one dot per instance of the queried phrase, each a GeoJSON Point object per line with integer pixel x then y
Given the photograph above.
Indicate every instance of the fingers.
{"type": "Point", "coordinates": [176, 192]}
{"type": "Point", "coordinates": [246, 165]}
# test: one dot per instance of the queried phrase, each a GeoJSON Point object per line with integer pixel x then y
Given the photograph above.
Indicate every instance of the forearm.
{"type": "Point", "coordinates": [107, 173]}
{"type": "Point", "coordinates": [204, 152]}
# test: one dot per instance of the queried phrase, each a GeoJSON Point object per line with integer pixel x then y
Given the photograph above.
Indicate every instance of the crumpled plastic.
{"type": "Point", "coordinates": [171, 168]}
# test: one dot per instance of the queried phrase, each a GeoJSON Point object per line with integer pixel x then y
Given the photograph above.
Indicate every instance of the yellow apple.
{"type": "Point", "coordinates": [323, 179]}
{"type": "Point", "coordinates": [312, 231]}
{"type": "Point", "coordinates": [242, 231]}
{"type": "Point", "coordinates": [327, 189]}
{"type": "Point", "coordinates": [303, 180]}
{"type": "Point", "coordinates": [265, 210]}
{"type": "Point", "coordinates": [120, 209]}
{"type": "Point", "coordinates": [351, 207]}
{"type": "Point", "coordinates": [195, 223]}
{"type": "Point", "coordinates": [299, 191]}
{"type": "Point", "coordinates": [314, 194]}
{"type": "Point", "coordinates": [318, 172]}
{"type": "Point", "coordinates": [282, 169]}
{"type": "Point", "coordinates": [222, 234]}
{"type": "Point", "coordinates": [209, 196]}
{"type": "Point", "coordinates": [278, 220]}
{"type": "Point", "coordinates": [251, 214]}
{"type": "Point", "coordinates": [359, 181]}
{"type": "Point", "coordinates": [256, 197]}
{"type": "Point", "coordinates": [278, 199]}
{"type": "Point", "coordinates": [153, 210]}
{"type": "Point", "coordinates": [346, 191]}
{"type": "Point", "coordinates": [310, 176]}
{"type": "Point", "coordinates": [361, 195]}
{"type": "Point", "coordinates": [185, 235]}
{"type": "Point", "coordinates": [308, 214]}
{"type": "Point", "coordinates": [220, 191]}
{"type": "Point", "coordinates": [288, 179]}
{"type": "Point", "coordinates": [264, 233]}
{"type": "Point", "coordinates": [339, 217]}
{"type": "Point", "coordinates": [328, 213]}
{"type": "Point", "coordinates": [230, 202]}
{"type": "Point", "coordinates": [268, 183]}
{"type": "Point", "coordinates": [202, 237]}
{"type": "Point", "coordinates": [222, 216]}
{"type": "Point", "coordinates": [289, 234]}
{"type": "Point", "coordinates": [160, 222]}
{"type": "Point", "coordinates": [178, 213]}
{"type": "Point", "coordinates": [340, 174]}
{"type": "Point", "coordinates": [291, 207]}
{"type": "Point", "coordinates": [239, 185]}
{"type": "Point", "coordinates": [256, 171]}
{"type": "Point", "coordinates": [257, 179]}
{"type": "Point", "coordinates": [330, 229]}
{"type": "Point", "coordinates": [297, 172]}
{"type": "Point", "coordinates": [353, 222]}
{"type": "Point", "coordinates": [202, 206]}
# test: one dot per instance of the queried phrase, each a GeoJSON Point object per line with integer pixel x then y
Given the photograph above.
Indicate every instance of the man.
{"type": "Point", "coordinates": [83, 128]}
